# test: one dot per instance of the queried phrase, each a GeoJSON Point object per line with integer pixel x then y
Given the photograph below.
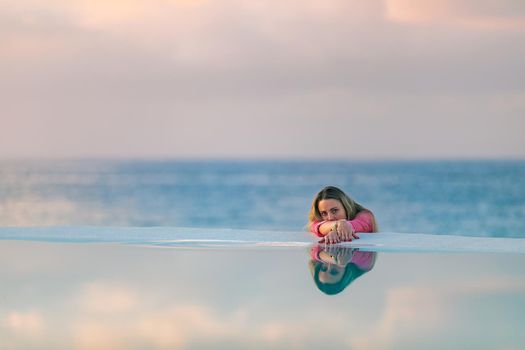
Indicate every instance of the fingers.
{"type": "Point", "coordinates": [331, 238]}
{"type": "Point", "coordinates": [346, 236]}
{"type": "Point", "coordinates": [342, 229]}
{"type": "Point", "coordinates": [346, 232]}
{"type": "Point", "coordinates": [335, 237]}
{"type": "Point", "coordinates": [341, 232]}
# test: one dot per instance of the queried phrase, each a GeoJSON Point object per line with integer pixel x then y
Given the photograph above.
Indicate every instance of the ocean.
{"type": "Point", "coordinates": [474, 197]}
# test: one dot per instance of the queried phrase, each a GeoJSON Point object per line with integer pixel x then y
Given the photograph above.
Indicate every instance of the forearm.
{"type": "Point", "coordinates": [335, 231]}
{"type": "Point", "coordinates": [326, 227]}
{"type": "Point", "coordinates": [315, 228]}
{"type": "Point", "coordinates": [363, 222]}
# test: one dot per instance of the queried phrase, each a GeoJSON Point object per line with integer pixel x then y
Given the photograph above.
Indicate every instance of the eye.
{"type": "Point", "coordinates": [333, 271]}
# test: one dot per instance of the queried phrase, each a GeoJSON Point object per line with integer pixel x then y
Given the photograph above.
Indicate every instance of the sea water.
{"type": "Point", "coordinates": [212, 255]}
{"type": "Point", "coordinates": [479, 198]}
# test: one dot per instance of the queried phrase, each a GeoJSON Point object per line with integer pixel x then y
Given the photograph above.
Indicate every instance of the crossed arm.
{"type": "Point", "coordinates": [343, 230]}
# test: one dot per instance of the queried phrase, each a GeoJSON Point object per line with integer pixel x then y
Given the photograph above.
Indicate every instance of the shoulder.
{"type": "Point", "coordinates": [364, 221]}
{"type": "Point", "coordinates": [364, 215]}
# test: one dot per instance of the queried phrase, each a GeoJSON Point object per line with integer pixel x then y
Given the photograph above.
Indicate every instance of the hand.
{"type": "Point", "coordinates": [343, 256]}
{"type": "Point", "coordinates": [331, 238]}
{"type": "Point", "coordinates": [345, 231]}
{"type": "Point", "coordinates": [338, 255]}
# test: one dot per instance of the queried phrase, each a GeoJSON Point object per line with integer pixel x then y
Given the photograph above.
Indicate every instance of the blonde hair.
{"type": "Point", "coordinates": [352, 208]}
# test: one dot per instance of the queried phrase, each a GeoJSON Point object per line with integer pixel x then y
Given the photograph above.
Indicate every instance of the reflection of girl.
{"type": "Point", "coordinates": [333, 268]}
{"type": "Point", "coordinates": [336, 217]}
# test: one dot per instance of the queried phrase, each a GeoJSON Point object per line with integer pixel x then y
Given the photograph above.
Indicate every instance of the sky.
{"type": "Point", "coordinates": [325, 79]}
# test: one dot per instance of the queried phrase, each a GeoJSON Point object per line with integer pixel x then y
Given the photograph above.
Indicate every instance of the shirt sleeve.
{"type": "Point", "coordinates": [363, 222]}
{"type": "Point", "coordinates": [314, 228]}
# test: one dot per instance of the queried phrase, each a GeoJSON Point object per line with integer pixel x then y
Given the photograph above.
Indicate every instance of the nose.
{"type": "Point", "coordinates": [331, 217]}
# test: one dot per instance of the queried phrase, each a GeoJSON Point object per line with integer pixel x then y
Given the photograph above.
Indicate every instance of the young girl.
{"type": "Point", "coordinates": [337, 218]}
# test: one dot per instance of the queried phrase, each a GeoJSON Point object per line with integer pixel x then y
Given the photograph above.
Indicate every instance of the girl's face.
{"type": "Point", "coordinates": [331, 273]}
{"type": "Point", "coordinates": [331, 209]}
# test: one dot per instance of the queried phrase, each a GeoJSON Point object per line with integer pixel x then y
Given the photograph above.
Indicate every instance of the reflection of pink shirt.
{"type": "Point", "coordinates": [363, 222]}
{"type": "Point", "coordinates": [364, 260]}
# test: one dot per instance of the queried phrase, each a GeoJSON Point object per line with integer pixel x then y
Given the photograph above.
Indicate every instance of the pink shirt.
{"type": "Point", "coordinates": [363, 222]}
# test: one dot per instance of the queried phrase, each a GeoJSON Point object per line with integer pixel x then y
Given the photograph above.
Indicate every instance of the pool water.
{"type": "Point", "coordinates": [121, 296]}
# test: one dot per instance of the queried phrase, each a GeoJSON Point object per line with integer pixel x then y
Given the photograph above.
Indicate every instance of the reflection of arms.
{"type": "Point", "coordinates": [336, 255]}
{"type": "Point", "coordinates": [343, 255]}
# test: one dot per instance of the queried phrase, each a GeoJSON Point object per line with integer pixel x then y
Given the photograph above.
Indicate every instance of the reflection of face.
{"type": "Point", "coordinates": [331, 209]}
{"type": "Point", "coordinates": [330, 273]}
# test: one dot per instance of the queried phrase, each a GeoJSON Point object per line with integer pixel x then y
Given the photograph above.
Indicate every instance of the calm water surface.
{"type": "Point", "coordinates": [102, 296]}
